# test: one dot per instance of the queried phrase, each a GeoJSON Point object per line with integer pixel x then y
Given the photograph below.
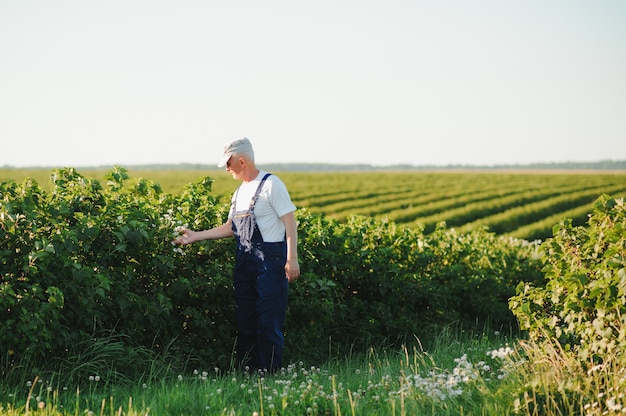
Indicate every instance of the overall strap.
{"type": "Point", "coordinates": [254, 197]}
{"type": "Point", "coordinates": [258, 192]}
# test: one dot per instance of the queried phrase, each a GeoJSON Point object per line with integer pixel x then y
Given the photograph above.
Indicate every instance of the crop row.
{"type": "Point", "coordinates": [521, 204]}
{"type": "Point", "coordinates": [506, 213]}
{"type": "Point", "coordinates": [524, 205]}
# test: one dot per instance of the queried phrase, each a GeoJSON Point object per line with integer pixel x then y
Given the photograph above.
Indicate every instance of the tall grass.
{"type": "Point", "coordinates": [454, 372]}
{"type": "Point", "coordinates": [450, 374]}
{"type": "Point", "coordinates": [549, 380]}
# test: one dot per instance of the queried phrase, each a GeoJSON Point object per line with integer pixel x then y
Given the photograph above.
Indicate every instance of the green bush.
{"type": "Point", "coordinates": [583, 304]}
{"type": "Point", "coordinates": [373, 282]}
{"type": "Point", "coordinates": [85, 261]}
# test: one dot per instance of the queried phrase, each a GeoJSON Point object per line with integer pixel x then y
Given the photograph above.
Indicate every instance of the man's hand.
{"type": "Point", "coordinates": [186, 237]}
{"type": "Point", "coordinates": [292, 270]}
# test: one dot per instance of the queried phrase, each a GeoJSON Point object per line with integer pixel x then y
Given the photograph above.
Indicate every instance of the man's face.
{"type": "Point", "coordinates": [234, 166]}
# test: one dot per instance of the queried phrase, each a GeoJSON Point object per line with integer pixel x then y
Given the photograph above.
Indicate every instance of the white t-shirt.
{"type": "Point", "coordinates": [274, 202]}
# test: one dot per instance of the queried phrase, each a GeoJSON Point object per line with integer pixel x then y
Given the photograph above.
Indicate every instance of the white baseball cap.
{"type": "Point", "coordinates": [236, 147]}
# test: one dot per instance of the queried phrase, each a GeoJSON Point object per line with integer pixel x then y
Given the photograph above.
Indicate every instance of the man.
{"type": "Point", "coordinates": [261, 218]}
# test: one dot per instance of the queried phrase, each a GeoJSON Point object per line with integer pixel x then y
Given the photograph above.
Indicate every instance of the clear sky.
{"type": "Point", "coordinates": [85, 82]}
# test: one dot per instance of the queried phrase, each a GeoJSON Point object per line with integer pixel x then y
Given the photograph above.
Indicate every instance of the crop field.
{"type": "Point", "coordinates": [99, 311]}
{"type": "Point", "coordinates": [519, 204]}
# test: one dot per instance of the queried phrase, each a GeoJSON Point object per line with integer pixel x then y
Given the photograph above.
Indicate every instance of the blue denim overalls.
{"type": "Point", "coordinates": [260, 292]}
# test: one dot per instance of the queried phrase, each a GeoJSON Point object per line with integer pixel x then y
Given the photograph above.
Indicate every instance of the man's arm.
{"type": "Point", "coordinates": [292, 268]}
{"type": "Point", "coordinates": [221, 231]}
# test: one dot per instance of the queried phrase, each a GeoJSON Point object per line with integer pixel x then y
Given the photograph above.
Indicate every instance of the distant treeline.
{"type": "Point", "coordinates": [322, 167]}
{"type": "Point", "coordinates": [605, 165]}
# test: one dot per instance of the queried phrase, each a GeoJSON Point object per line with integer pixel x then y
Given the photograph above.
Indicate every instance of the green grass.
{"type": "Point", "coordinates": [451, 374]}
{"type": "Point", "coordinates": [454, 372]}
